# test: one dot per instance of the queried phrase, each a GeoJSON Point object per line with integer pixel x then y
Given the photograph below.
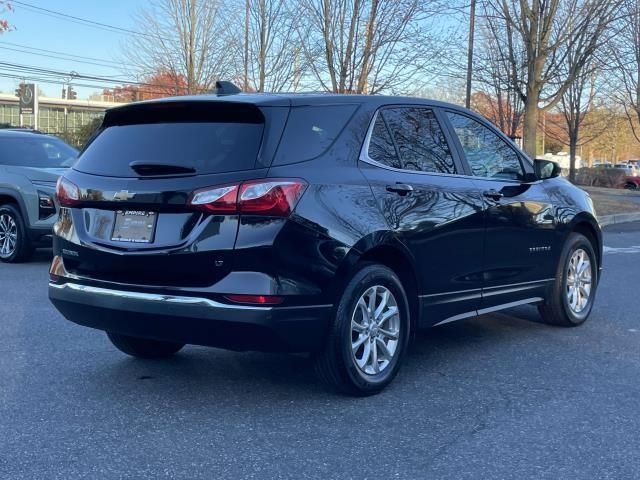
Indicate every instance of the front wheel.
{"type": "Point", "coordinates": [570, 301]}
{"type": "Point", "coordinates": [14, 242]}
{"type": "Point", "coordinates": [369, 334]}
{"type": "Point", "coordinates": [143, 347]}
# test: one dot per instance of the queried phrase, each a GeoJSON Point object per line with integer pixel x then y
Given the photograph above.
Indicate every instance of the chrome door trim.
{"type": "Point", "coordinates": [483, 311]}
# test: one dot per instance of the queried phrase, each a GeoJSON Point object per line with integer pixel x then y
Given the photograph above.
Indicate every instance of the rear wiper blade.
{"type": "Point", "coordinates": [147, 168]}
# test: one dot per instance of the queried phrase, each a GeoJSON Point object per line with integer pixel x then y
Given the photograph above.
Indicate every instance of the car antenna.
{"type": "Point", "coordinates": [226, 88]}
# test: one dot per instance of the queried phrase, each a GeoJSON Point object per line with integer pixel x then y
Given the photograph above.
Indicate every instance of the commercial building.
{"type": "Point", "coordinates": [56, 116]}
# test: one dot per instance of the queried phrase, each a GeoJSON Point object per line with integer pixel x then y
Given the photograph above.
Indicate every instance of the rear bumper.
{"type": "Point", "coordinates": [193, 320]}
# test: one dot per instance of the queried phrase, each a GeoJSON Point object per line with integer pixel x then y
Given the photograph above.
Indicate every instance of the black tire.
{"type": "Point", "coordinates": [23, 248]}
{"type": "Point", "coordinates": [143, 347]}
{"type": "Point", "coordinates": [556, 310]}
{"type": "Point", "coordinates": [336, 364]}
{"type": "Point", "coordinates": [631, 186]}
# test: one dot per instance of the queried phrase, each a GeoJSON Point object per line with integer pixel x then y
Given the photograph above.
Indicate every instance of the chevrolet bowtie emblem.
{"type": "Point", "coordinates": [123, 195]}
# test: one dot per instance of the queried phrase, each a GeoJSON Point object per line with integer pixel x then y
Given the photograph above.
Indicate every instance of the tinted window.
{"type": "Point", "coordinates": [36, 151]}
{"type": "Point", "coordinates": [488, 154]}
{"type": "Point", "coordinates": [206, 147]}
{"type": "Point", "coordinates": [419, 139]}
{"type": "Point", "coordinates": [381, 148]}
{"type": "Point", "coordinates": [311, 130]}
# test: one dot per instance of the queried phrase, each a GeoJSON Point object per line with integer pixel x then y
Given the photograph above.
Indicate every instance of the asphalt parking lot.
{"type": "Point", "coordinates": [502, 396]}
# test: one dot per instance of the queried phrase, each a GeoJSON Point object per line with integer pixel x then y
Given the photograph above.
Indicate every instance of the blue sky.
{"type": "Point", "coordinates": [32, 29]}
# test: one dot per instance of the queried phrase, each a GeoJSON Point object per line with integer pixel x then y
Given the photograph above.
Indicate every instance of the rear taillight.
{"type": "Point", "coordinates": [67, 193]}
{"type": "Point", "coordinates": [269, 197]}
{"type": "Point", "coordinates": [216, 199]}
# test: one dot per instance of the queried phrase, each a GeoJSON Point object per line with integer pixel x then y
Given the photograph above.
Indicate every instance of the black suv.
{"type": "Point", "coordinates": [330, 224]}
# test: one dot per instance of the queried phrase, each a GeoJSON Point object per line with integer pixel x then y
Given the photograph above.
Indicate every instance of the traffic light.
{"type": "Point", "coordinates": [20, 90]}
{"type": "Point", "coordinates": [64, 93]}
{"type": "Point", "coordinates": [71, 93]}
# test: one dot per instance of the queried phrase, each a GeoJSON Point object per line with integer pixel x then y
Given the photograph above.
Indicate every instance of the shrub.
{"type": "Point", "coordinates": [600, 177]}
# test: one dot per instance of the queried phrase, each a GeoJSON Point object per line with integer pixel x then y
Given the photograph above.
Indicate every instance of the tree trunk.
{"type": "Point", "coordinates": [573, 148]}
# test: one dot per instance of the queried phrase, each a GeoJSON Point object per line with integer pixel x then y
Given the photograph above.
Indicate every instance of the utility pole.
{"type": "Point", "coordinates": [246, 45]}
{"type": "Point", "coordinates": [472, 28]}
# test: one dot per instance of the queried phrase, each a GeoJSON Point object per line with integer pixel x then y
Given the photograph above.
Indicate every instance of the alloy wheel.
{"type": "Point", "coordinates": [375, 330]}
{"type": "Point", "coordinates": [8, 235]}
{"type": "Point", "coordinates": [579, 278]}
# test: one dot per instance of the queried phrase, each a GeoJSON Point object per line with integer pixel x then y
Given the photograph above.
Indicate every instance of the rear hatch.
{"type": "Point", "coordinates": [142, 197]}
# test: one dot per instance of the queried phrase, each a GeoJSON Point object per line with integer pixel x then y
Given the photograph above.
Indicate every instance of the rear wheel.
{"type": "Point", "coordinates": [631, 186]}
{"type": "Point", "coordinates": [14, 241]}
{"type": "Point", "coordinates": [143, 347]}
{"type": "Point", "coordinates": [369, 335]}
{"type": "Point", "coordinates": [571, 298]}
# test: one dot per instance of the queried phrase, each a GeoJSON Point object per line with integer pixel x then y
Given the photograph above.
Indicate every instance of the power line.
{"type": "Point", "coordinates": [80, 20]}
{"type": "Point", "coordinates": [82, 57]}
{"type": "Point", "coordinates": [75, 19]}
{"type": "Point", "coordinates": [48, 81]}
{"type": "Point", "coordinates": [57, 57]}
{"type": "Point", "coordinates": [56, 73]}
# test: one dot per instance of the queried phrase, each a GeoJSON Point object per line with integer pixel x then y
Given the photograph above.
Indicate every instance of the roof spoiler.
{"type": "Point", "coordinates": [226, 88]}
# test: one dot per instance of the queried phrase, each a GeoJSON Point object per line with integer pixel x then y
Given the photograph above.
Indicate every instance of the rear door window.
{"type": "Point", "coordinates": [381, 146]}
{"type": "Point", "coordinates": [419, 140]}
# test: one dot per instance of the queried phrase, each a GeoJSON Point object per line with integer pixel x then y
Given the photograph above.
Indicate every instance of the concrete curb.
{"type": "Point", "coordinates": [619, 218]}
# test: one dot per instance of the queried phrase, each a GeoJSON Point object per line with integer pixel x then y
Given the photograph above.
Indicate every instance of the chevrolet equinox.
{"type": "Point", "coordinates": [331, 224]}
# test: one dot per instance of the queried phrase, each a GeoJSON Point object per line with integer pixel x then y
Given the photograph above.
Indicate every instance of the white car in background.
{"type": "Point", "coordinates": [629, 169]}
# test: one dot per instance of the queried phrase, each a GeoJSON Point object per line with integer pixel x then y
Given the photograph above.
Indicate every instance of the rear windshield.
{"type": "Point", "coordinates": [205, 147]}
{"type": "Point", "coordinates": [36, 151]}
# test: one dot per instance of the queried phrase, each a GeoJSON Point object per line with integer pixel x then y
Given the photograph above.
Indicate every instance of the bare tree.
{"type": "Point", "coordinates": [625, 50]}
{"type": "Point", "coordinates": [549, 30]}
{"type": "Point", "coordinates": [188, 38]}
{"type": "Point", "coordinates": [272, 53]}
{"type": "Point", "coordinates": [501, 71]}
{"type": "Point", "coordinates": [576, 110]}
{"type": "Point", "coordinates": [367, 46]}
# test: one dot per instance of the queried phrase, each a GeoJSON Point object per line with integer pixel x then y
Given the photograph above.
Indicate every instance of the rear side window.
{"type": "Point", "coordinates": [207, 147]}
{"type": "Point", "coordinates": [419, 140]}
{"type": "Point", "coordinates": [311, 130]}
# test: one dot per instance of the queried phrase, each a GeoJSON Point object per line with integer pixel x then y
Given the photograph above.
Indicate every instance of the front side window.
{"type": "Point", "coordinates": [419, 140]}
{"type": "Point", "coordinates": [488, 154]}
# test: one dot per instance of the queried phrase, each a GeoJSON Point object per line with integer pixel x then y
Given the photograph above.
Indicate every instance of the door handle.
{"type": "Point", "coordinates": [494, 194]}
{"type": "Point", "coordinates": [400, 188]}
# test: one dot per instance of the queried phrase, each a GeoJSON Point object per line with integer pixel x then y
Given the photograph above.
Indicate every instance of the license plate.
{"type": "Point", "coordinates": [134, 226]}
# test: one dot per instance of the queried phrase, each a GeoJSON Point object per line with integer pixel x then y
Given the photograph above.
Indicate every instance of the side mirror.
{"type": "Point", "coordinates": [546, 169]}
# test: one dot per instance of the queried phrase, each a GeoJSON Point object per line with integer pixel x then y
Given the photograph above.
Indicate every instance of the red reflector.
{"type": "Point", "coordinates": [67, 193]}
{"type": "Point", "coordinates": [255, 299]}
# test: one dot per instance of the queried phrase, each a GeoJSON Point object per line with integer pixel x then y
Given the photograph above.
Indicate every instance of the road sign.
{"type": "Point", "coordinates": [28, 99]}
